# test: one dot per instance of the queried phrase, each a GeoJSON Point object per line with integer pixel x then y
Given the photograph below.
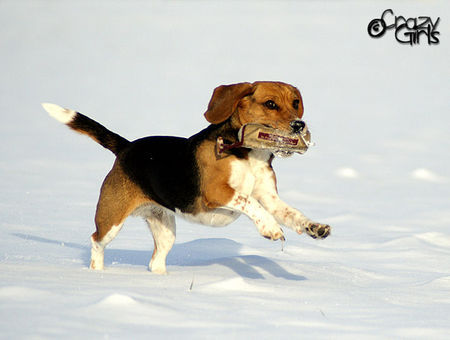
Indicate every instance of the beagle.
{"type": "Point", "coordinates": [159, 177]}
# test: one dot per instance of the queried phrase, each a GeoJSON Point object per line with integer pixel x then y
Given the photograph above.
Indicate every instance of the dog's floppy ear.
{"type": "Point", "coordinates": [224, 101]}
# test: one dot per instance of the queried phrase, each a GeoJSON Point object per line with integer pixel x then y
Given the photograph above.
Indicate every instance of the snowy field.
{"type": "Point", "coordinates": [379, 113]}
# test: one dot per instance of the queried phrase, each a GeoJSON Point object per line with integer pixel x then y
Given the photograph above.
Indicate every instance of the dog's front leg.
{"type": "Point", "coordinates": [264, 221]}
{"type": "Point", "coordinates": [266, 193]}
{"type": "Point", "coordinates": [293, 218]}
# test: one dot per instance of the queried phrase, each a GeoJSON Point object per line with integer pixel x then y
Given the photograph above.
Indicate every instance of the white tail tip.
{"type": "Point", "coordinates": [65, 116]}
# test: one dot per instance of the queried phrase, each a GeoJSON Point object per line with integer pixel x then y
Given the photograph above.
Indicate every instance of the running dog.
{"type": "Point", "coordinates": [159, 177]}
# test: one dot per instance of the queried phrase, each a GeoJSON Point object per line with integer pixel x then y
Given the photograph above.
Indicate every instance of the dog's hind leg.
{"type": "Point", "coordinates": [119, 197]}
{"type": "Point", "coordinates": [99, 244]}
{"type": "Point", "coordinates": [163, 228]}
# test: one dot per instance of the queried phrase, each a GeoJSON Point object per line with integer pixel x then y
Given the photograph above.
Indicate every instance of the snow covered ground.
{"type": "Point", "coordinates": [380, 173]}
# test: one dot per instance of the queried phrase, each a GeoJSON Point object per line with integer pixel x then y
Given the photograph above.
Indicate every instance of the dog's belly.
{"type": "Point", "coordinates": [215, 218]}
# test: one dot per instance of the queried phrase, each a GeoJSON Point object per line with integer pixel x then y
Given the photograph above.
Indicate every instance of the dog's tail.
{"type": "Point", "coordinates": [80, 123]}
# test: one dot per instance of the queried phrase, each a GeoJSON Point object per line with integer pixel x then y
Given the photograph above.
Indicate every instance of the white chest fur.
{"type": "Point", "coordinates": [244, 173]}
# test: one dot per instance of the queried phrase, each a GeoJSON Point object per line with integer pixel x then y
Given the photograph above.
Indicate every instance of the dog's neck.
{"type": "Point", "coordinates": [228, 130]}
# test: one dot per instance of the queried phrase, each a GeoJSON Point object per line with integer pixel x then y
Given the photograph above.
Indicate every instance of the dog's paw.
{"type": "Point", "coordinates": [272, 233]}
{"type": "Point", "coordinates": [158, 271]}
{"type": "Point", "coordinates": [317, 230]}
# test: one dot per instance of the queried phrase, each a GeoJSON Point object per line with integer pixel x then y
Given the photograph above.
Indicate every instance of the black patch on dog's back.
{"type": "Point", "coordinates": [165, 168]}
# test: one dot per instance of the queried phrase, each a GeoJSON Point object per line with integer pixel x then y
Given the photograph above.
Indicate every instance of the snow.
{"type": "Point", "coordinates": [347, 173]}
{"type": "Point", "coordinates": [427, 175]}
{"type": "Point", "coordinates": [379, 173]}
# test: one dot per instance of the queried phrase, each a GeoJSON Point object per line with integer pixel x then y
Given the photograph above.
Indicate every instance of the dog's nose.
{"type": "Point", "coordinates": [297, 125]}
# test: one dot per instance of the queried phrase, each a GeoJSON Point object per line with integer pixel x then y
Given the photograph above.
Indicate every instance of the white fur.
{"type": "Point", "coordinates": [97, 255]}
{"type": "Point", "coordinates": [217, 218]}
{"type": "Point", "coordinates": [162, 225]}
{"type": "Point", "coordinates": [161, 222]}
{"type": "Point", "coordinates": [266, 193]}
{"type": "Point", "coordinates": [220, 217]}
{"type": "Point", "coordinates": [265, 222]}
{"type": "Point", "coordinates": [244, 179]}
{"type": "Point", "coordinates": [257, 197]}
{"type": "Point", "coordinates": [62, 115]}
{"type": "Point", "coordinates": [98, 248]}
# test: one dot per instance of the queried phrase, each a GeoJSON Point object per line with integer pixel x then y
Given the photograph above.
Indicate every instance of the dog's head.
{"type": "Point", "coordinates": [273, 104]}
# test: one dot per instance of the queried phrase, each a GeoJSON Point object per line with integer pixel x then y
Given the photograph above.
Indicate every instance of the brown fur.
{"type": "Point", "coordinates": [230, 107]}
{"type": "Point", "coordinates": [224, 101]}
{"type": "Point", "coordinates": [190, 176]}
{"type": "Point", "coordinates": [119, 197]}
{"type": "Point", "coordinates": [214, 173]}
{"type": "Point", "coordinates": [247, 101]}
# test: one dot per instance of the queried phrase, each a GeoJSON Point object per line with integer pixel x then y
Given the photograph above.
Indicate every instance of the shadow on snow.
{"type": "Point", "coordinates": [201, 252]}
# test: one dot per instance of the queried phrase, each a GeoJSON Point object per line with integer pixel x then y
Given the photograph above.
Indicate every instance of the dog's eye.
{"type": "Point", "coordinates": [270, 104]}
{"type": "Point", "coordinates": [295, 103]}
